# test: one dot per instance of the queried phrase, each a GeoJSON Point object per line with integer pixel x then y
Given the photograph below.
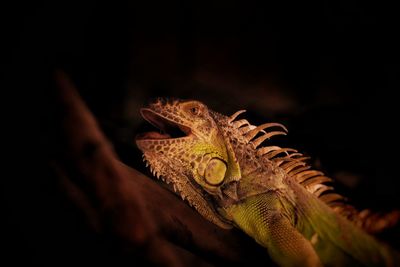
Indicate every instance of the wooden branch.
{"type": "Point", "coordinates": [124, 203]}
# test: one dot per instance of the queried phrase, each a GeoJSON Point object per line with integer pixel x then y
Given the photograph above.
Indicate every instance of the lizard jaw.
{"type": "Point", "coordinates": [170, 128]}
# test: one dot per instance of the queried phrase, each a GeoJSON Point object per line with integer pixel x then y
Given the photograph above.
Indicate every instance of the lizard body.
{"type": "Point", "coordinates": [269, 192]}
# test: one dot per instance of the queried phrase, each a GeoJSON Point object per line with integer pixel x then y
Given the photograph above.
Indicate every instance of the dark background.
{"type": "Point", "coordinates": [329, 70]}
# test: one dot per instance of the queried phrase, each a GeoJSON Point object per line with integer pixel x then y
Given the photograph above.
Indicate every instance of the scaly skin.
{"type": "Point", "coordinates": [268, 192]}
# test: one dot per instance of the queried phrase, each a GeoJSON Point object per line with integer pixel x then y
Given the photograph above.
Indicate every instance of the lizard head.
{"type": "Point", "coordinates": [189, 152]}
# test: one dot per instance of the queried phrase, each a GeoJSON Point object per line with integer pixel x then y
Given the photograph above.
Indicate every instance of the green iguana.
{"type": "Point", "coordinates": [269, 192]}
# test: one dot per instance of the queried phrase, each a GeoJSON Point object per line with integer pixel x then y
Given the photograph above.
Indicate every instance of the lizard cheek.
{"type": "Point", "coordinates": [215, 172]}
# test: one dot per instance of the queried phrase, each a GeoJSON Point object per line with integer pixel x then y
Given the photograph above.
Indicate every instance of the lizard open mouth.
{"type": "Point", "coordinates": [168, 129]}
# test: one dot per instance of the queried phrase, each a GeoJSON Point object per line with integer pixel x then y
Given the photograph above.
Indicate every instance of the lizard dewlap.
{"type": "Point", "coordinates": [218, 165]}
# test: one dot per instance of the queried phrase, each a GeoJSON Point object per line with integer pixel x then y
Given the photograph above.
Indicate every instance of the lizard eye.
{"type": "Point", "coordinates": [194, 110]}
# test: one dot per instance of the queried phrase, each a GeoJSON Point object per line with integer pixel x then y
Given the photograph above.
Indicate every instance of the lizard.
{"type": "Point", "coordinates": [217, 165]}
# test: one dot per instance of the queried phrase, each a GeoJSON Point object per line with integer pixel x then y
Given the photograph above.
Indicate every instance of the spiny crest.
{"type": "Point", "coordinates": [290, 160]}
{"type": "Point", "coordinates": [295, 165]}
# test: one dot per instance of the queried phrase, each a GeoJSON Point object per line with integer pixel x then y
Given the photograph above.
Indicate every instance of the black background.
{"type": "Point", "coordinates": [329, 70]}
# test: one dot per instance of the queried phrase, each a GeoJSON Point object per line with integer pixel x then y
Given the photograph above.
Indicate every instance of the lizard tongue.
{"type": "Point", "coordinates": [153, 135]}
